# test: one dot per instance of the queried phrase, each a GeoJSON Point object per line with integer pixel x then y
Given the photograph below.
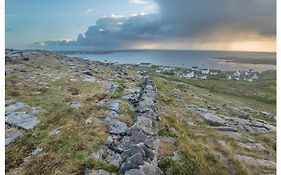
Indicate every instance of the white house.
{"type": "Point", "coordinates": [205, 71]}
{"type": "Point", "coordinates": [188, 75]}
{"type": "Point", "coordinates": [201, 76]}
{"type": "Point", "coordinates": [237, 73]}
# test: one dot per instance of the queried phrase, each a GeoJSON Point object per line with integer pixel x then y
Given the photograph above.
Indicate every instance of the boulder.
{"type": "Point", "coordinates": [134, 149]}
{"type": "Point", "coordinates": [114, 105]}
{"type": "Point", "coordinates": [23, 120]}
{"type": "Point", "coordinates": [149, 169]}
{"type": "Point", "coordinates": [137, 137]}
{"type": "Point", "coordinates": [102, 172]}
{"type": "Point", "coordinates": [134, 172]}
{"type": "Point", "coordinates": [11, 135]}
{"type": "Point", "coordinates": [75, 104]}
{"type": "Point", "coordinates": [149, 154]}
{"type": "Point", "coordinates": [125, 166]}
{"type": "Point", "coordinates": [16, 106]}
{"type": "Point", "coordinates": [116, 126]}
{"type": "Point", "coordinates": [113, 158]}
{"type": "Point", "coordinates": [213, 119]}
{"type": "Point", "coordinates": [136, 159]}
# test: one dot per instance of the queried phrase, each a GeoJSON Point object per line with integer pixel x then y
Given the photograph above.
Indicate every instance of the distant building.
{"type": "Point", "coordinates": [188, 75]}
{"type": "Point", "coordinates": [205, 71]}
{"type": "Point", "coordinates": [201, 76]}
{"type": "Point", "coordinates": [250, 75]}
{"type": "Point", "coordinates": [195, 68]}
{"type": "Point", "coordinates": [214, 73]}
{"type": "Point", "coordinates": [247, 78]}
{"type": "Point", "coordinates": [168, 69]}
{"type": "Point", "coordinates": [233, 77]}
{"type": "Point", "coordinates": [237, 73]}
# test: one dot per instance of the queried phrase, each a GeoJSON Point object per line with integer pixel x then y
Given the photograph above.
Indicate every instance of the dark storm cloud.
{"type": "Point", "coordinates": [185, 19]}
{"type": "Point", "coordinates": [189, 17]}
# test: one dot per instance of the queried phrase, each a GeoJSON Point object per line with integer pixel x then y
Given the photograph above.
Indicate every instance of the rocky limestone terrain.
{"type": "Point", "coordinates": [73, 116]}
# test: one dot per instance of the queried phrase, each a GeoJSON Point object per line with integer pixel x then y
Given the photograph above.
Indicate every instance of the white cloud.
{"type": "Point", "coordinates": [137, 1]}
{"type": "Point", "coordinates": [117, 16]}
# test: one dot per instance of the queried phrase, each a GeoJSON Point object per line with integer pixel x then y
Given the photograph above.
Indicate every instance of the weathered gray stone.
{"type": "Point", "coordinates": [111, 88]}
{"type": "Point", "coordinates": [136, 159]}
{"type": "Point", "coordinates": [243, 114]}
{"type": "Point", "coordinates": [125, 166]}
{"type": "Point", "coordinates": [251, 145]}
{"type": "Point", "coordinates": [102, 172]}
{"type": "Point", "coordinates": [213, 119]}
{"type": "Point", "coordinates": [116, 126]}
{"type": "Point", "coordinates": [99, 154]}
{"type": "Point", "coordinates": [16, 106]}
{"type": "Point", "coordinates": [134, 149]}
{"type": "Point", "coordinates": [114, 105]}
{"type": "Point", "coordinates": [137, 136]}
{"type": "Point", "coordinates": [75, 104]}
{"type": "Point", "coordinates": [209, 116]}
{"type": "Point", "coordinates": [149, 154]}
{"type": "Point", "coordinates": [255, 161]}
{"type": "Point", "coordinates": [225, 128]}
{"type": "Point", "coordinates": [152, 143]}
{"type": "Point", "coordinates": [21, 119]}
{"type": "Point", "coordinates": [37, 151]}
{"type": "Point", "coordinates": [113, 158]}
{"type": "Point", "coordinates": [134, 172]}
{"type": "Point", "coordinates": [12, 135]}
{"type": "Point", "coordinates": [149, 169]}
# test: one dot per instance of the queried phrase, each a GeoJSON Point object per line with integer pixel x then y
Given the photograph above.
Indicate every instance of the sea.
{"type": "Point", "coordinates": [175, 58]}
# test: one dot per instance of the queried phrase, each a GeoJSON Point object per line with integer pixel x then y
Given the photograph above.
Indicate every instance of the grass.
{"type": "Point", "coordinates": [198, 143]}
{"type": "Point", "coordinates": [118, 91]}
{"type": "Point", "coordinates": [262, 92]}
{"type": "Point", "coordinates": [71, 149]}
{"type": "Point", "coordinates": [127, 115]}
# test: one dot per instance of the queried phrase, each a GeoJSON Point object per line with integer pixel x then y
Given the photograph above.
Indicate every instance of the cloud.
{"type": "Point", "coordinates": [137, 1]}
{"type": "Point", "coordinates": [185, 21]}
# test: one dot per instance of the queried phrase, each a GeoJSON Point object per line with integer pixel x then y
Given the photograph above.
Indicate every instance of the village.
{"type": "Point", "coordinates": [204, 73]}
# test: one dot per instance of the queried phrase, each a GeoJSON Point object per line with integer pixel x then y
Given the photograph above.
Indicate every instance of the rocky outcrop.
{"type": "Point", "coordinates": [142, 143]}
{"type": "Point", "coordinates": [17, 121]}
{"type": "Point", "coordinates": [134, 150]}
{"type": "Point", "coordinates": [241, 121]}
{"type": "Point", "coordinates": [209, 116]}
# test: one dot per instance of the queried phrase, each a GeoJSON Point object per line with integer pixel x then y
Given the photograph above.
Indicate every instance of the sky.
{"type": "Point", "coordinates": [234, 25]}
